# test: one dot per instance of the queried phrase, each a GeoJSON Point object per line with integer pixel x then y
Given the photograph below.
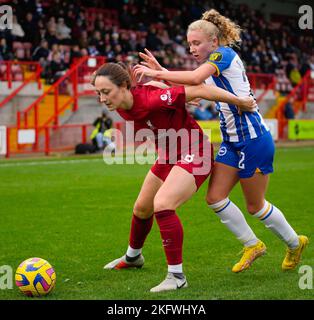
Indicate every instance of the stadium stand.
{"type": "Point", "coordinates": [53, 35]}
{"type": "Point", "coordinates": [101, 29]}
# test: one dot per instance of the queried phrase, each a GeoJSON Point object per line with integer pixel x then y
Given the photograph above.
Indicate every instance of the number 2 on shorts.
{"type": "Point", "coordinates": [241, 161]}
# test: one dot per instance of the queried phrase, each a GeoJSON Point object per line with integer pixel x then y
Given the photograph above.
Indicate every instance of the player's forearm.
{"type": "Point", "coordinates": [182, 77]}
{"type": "Point", "coordinates": [216, 94]}
{"type": "Point", "coordinates": [213, 93]}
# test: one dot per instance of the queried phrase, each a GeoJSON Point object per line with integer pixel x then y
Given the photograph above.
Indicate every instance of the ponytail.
{"type": "Point", "coordinates": [229, 33]}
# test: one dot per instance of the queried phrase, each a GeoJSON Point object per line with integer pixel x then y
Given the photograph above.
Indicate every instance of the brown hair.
{"type": "Point", "coordinates": [116, 72]}
{"type": "Point", "coordinates": [215, 24]}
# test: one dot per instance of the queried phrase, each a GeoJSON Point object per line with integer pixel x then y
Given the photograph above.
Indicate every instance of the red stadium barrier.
{"type": "Point", "coordinates": [300, 93]}
{"type": "Point", "coordinates": [17, 70]}
{"type": "Point", "coordinates": [35, 70]}
{"type": "Point", "coordinates": [35, 116]}
{"type": "Point", "coordinates": [263, 81]}
{"type": "Point", "coordinates": [57, 138]}
{"type": "Point", "coordinates": [48, 139]}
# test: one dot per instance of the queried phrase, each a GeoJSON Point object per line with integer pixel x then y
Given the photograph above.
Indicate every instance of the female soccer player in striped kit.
{"type": "Point", "coordinates": [177, 173]}
{"type": "Point", "coordinates": [247, 151]}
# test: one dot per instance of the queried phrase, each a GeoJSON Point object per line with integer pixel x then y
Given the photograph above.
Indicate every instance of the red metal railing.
{"type": "Point", "coordinates": [35, 76]}
{"type": "Point", "coordinates": [11, 68]}
{"type": "Point", "coordinates": [299, 93]}
{"type": "Point", "coordinates": [84, 73]}
{"type": "Point", "coordinates": [263, 81]}
{"type": "Point", "coordinates": [55, 139]}
{"type": "Point", "coordinates": [71, 74]}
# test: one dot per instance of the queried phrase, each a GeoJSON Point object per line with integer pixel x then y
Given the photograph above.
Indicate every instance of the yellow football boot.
{"type": "Point", "coordinates": [249, 255]}
{"type": "Point", "coordinates": [293, 256]}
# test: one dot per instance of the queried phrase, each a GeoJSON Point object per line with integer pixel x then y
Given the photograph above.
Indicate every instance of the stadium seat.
{"type": "Point", "coordinates": [20, 53]}
{"type": "Point", "coordinates": [27, 48]}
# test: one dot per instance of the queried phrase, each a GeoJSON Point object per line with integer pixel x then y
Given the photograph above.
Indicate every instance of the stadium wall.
{"type": "Point", "coordinates": [27, 95]}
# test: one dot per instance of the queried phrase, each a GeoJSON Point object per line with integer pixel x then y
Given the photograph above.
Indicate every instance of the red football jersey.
{"type": "Point", "coordinates": [163, 111]}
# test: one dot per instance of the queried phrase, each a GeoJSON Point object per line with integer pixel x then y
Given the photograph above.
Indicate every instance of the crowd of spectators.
{"type": "Point", "coordinates": [61, 30]}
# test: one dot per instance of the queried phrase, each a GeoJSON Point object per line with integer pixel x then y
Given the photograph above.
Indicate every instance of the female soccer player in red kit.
{"type": "Point", "coordinates": [177, 174]}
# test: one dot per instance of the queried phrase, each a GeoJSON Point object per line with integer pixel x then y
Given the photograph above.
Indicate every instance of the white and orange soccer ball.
{"type": "Point", "coordinates": [35, 277]}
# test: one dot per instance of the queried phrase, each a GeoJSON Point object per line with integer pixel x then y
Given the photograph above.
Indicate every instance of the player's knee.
{"type": "Point", "coordinates": [142, 211]}
{"type": "Point", "coordinates": [163, 203]}
{"type": "Point", "coordinates": [253, 208]}
{"type": "Point", "coordinates": [212, 198]}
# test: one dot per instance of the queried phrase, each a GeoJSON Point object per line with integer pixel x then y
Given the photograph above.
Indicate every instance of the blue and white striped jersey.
{"type": "Point", "coordinates": [230, 75]}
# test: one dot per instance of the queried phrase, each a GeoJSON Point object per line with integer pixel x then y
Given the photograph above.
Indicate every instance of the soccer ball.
{"type": "Point", "coordinates": [35, 277]}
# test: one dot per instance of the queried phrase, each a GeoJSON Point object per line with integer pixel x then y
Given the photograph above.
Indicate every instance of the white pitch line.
{"type": "Point", "coordinates": [72, 161]}
{"type": "Point", "coordinates": [35, 163]}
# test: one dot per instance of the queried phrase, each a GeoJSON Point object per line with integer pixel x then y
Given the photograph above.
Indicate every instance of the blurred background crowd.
{"type": "Point", "coordinates": [56, 32]}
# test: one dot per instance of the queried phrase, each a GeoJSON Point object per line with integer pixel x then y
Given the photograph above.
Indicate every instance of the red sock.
{"type": "Point", "coordinates": [140, 228]}
{"type": "Point", "coordinates": [171, 232]}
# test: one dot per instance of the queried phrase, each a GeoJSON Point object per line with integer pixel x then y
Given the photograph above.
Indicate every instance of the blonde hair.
{"type": "Point", "coordinates": [215, 24]}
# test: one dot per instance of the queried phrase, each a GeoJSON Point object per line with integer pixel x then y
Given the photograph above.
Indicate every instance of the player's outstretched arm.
{"type": "Point", "coordinates": [213, 93]}
{"type": "Point", "coordinates": [194, 77]}
{"type": "Point", "coordinates": [157, 84]}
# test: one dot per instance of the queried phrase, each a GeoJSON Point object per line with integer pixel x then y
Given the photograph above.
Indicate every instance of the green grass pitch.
{"type": "Point", "coordinates": [76, 213]}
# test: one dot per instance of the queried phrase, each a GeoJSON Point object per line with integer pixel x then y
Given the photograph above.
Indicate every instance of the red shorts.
{"type": "Point", "coordinates": [200, 166]}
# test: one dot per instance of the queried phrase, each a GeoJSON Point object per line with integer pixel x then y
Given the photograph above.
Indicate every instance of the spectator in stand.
{"type": "Point", "coordinates": [117, 49]}
{"type": "Point", "coordinates": [92, 51]}
{"type": "Point", "coordinates": [31, 29]}
{"type": "Point", "coordinates": [52, 25]}
{"type": "Point", "coordinates": [75, 53]}
{"type": "Point", "coordinates": [39, 9]}
{"type": "Point", "coordinates": [141, 45]}
{"type": "Point", "coordinates": [163, 36]}
{"type": "Point", "coordinates": [125, 18]}
{"type": "Point", "coordinates": [292, 70]}
{"type": "Point", "coordinates": [109, 53]}
{"type": "Point", "coordinates": [27, 5]}
{"type": "Point", "coordinates": [56, 67]}
{"type": "Point", "coordinates": [153, 41]}
{"type": "Point", "coordinates": [63, 32]}
{"type": "Point", "coordinates": [70, 18]}
{"type": "Point", "coordinates": [17, 31]}
{"type": "Point", "coordinates": [100, 26]}
{"type": "Point", "coordinates": [77, 31]}
{"type": "Point", "coordinates": [41, 52]}
{"type": "Point", "coordinates": [83, 41]}
{"type": "Point", "coordinates": [98, 42]}
{"type": "Point", "coordinates": [5, 50]}
{"type": "Point", "coordinates": [84, 52]}
{"type": "Point", "coordinates": [289, 112]}
{"type": "Point", "coordinates": [305, 66]}
{"type": "Point", "coordinates": [125, 42]}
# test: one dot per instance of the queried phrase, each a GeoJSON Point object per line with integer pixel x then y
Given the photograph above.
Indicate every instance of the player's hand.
{"type": "Point", "coordinates": [246, 104]}
{"type": "Point", "coordinates": [149, 60]}
{"type": "Point", "coordinates": [140, 71]}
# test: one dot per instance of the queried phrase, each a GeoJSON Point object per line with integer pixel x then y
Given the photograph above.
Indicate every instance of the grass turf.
{"type": "Point", "coordinates": [76, 214]}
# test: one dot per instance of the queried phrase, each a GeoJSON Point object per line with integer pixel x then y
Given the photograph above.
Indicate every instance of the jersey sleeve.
{"type": "Point", "coordinates": [169, 98]}
{"type": "Point", "coordinates": [221, 59]}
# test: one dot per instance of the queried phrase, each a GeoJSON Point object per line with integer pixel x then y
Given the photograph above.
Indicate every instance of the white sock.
{"type": "Point", "coordinates": [175, 268]}
{"type": "Point", "coordinates": [133, 252]}
{"type": "Point", "coordinates": [274, 219]}
{"type": "Point", "coordinates": [233, 218]}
